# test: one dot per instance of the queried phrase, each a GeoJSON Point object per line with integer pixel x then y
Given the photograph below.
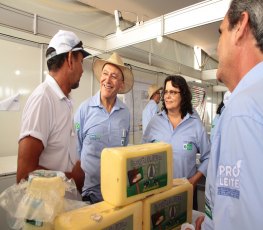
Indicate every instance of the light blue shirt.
{"type": "Point", "coordinates": [234, 182]}
{"type": "Point", "coordinates": [97, 129]}
{"type": "Point", "coordinates": [187, 139]}
{"type": "Point", "coordinates": [149, 111]}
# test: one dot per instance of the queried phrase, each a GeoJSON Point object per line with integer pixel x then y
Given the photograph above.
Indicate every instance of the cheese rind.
{"type": "Point", "coordinates": [134, 172]}
{"type": "Point", "coordinates": [101, 215]}
{"type": "Point", "coordinates": [169, 209]}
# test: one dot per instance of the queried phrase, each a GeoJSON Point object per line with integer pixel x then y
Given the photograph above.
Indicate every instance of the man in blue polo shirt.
{"type": "Point", "coordinates": [234, 182]}
{"type": "Point", "coordinates": [103, 121]}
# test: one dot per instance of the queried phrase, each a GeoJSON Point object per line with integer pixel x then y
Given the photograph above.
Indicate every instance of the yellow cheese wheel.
{"type": "Point", "coordinates": [169, 209]}
{"type": "Point", "coordinates": [101, 215]}
{"type": "Point", "coordinates": [134, 172]}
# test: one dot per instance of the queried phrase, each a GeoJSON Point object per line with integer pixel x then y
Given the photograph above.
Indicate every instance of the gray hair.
{"type": "Point", "coordinates": [254, 8]}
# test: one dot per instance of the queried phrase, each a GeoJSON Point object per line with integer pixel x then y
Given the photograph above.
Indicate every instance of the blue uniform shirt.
{"type": "Point", "coordinates": [234, 182]}
{"type": "Point", "coordinates": [149, 111]}
{"type": "Point", "coordinates": [187, 139]}
{"type": "Point", "coordinates": [97, 129]}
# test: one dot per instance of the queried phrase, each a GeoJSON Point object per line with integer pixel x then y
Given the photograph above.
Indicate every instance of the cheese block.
{"type": "Point", "coordinates": [169, 209]}
{"type": "Point", "coordinates": [102, 215]}
{"type": "Point", "coordinates": [134, 172]}
{"type": "Point", "coordinates": [44, 199]}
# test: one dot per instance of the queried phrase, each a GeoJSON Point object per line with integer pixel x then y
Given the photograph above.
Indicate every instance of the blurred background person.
{"type": "Point", "coordinates": [154, 96]}
{"type": "Point", "coordinates": [219, 111]}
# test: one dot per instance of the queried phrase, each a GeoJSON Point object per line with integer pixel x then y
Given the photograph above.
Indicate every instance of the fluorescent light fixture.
{"type": "Point", "coordinates": [117, 15]}
{"type": "Point", "coordinates": [118, 31]}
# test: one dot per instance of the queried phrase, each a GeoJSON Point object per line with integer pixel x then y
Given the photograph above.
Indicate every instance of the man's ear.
{"type": "Point", "coordinates": [242, 27]}
{"type": "Point", "coordinates": [69, 59]}
{"type": "Point", "coordinates": [122, 85]}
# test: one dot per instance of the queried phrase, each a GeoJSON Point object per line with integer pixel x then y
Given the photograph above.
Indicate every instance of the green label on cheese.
{"type": "Point", "coordinates": [170, 212]}
{"type": "Point", "coordinates": [124, 224]}
{"type": "Point", "coordinates": [146, 173]}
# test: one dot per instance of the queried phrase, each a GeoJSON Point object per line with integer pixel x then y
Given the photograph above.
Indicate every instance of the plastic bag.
{"type": "Point", "coordinates": [39, 200]}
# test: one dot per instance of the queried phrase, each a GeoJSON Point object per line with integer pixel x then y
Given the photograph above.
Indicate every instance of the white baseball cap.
{"type": "Point", "coordinates": [63, 42]}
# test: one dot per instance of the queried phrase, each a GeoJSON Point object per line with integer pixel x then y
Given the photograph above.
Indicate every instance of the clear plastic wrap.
{"type": "Point", "coordinates": [36, 202]}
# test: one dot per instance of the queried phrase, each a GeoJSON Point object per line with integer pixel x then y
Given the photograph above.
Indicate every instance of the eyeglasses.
{"type": "Point", "coordinates": [170, 92]}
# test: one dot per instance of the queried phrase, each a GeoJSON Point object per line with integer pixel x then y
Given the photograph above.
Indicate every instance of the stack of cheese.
{"type": "Point", "coordinates": [138, 191]}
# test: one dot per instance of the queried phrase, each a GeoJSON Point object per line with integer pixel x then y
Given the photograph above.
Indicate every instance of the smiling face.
{"type": "Point", "coordinates": [111, 81]}
{"type": "Point", "coordinates": [172, 97]}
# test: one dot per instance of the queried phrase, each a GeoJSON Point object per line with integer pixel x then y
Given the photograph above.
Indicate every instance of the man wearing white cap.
{"type": "Point", "coordinates": [47, 139]}
{"type": "Point", "coordinates": [154, 95]}
{"type": "Point", "coordinates": [103, 121]}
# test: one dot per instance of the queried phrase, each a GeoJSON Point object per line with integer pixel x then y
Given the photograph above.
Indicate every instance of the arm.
{"type": "Point", "coordinates": [195, 178]}
{"type": "Point", "coordinates": [29, 151]}
{"type": "Point", "coordinates": [77, 175]}
{"type": "Point", "coordinates": [204, 150]}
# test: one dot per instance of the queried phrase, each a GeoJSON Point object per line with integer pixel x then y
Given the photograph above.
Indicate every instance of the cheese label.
{"type": "Point", "coordinates": [146, 173]}
{"type": "Point", "coordinates": [124, 224]}
{"type": "Point", "coordinates": [170, 212]}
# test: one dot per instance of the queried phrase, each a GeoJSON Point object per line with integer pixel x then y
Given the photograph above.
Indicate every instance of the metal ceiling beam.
{"type": "Point", "coordinates": [193, 16]}
{"type": "Point", "coordinates": [32, 27]}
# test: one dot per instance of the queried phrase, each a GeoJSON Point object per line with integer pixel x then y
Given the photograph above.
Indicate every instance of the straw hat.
{"type": "Point", "coordinates": [152, 90]}
{"type": "Point", "coordinates": [115, 59]}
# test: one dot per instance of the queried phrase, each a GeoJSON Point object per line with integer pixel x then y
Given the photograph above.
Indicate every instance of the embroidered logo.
{"type": "Point", "coordinates": [229, 180]}
{"type": "Point", "coordinates": [188, 146]}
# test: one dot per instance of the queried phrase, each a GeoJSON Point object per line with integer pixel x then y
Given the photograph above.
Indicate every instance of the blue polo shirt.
{"type": "Point", "coordinates": [187, 139]}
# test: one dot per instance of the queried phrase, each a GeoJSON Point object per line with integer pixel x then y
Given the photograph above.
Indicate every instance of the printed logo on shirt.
{"type": "Point", "coordinates": [229, 180]}
{"type": "Point", "coordinates": [94, 136]}
{"type": "Point", "coordinates": [188, 146]}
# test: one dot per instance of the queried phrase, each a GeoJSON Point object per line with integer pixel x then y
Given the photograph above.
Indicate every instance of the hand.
{"type": "Point", "coordinates": [78, 175]}
{"type": "Point", "coordinates": [195, 178]}
{"type": "Point", "coordinates": [199, 222]}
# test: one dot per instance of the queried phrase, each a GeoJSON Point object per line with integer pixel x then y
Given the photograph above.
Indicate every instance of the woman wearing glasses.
{"type": "Point", "coordinates": [179, 125]}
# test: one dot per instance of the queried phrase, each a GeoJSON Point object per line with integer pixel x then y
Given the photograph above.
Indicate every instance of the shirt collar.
{"type": "Point", "coordinates": [95, 101]}
{"type": "Point", "coordinates": [252, 77]}
{"type": "Point", "coordinates": [187, 116]}
{"type": "Point", "coordinates": [55, 87]}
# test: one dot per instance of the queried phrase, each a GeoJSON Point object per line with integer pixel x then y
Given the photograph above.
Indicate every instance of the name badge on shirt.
{"type": "Point", "coordinates": [188, 146]}
{"type": "Point", "coordinates": [94, 136]}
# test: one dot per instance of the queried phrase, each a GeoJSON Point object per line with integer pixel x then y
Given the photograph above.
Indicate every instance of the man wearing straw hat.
{"type": "Point", "coordinates": [103, 121]}
{"type": "Point", "coordinates": [154, 95]}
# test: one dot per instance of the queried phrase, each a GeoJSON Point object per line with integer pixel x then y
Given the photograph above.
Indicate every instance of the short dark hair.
{"type": "Point", "coordinates": [57, 61]}
{"type": "Point", "coordinates": [186, 95]}
{"type": "Point", "coordinates": [254, 9]}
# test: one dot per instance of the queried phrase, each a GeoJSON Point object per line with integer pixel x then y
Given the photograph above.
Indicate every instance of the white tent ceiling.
{"type": "Point", "coordinates": [94, 21]}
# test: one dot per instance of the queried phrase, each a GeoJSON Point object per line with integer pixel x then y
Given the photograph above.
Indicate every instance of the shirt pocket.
{"type": "Point", "coordinates": [118, 136]}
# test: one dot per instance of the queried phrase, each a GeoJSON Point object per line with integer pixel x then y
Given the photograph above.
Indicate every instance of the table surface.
{"type": "Point", "coordinates": [8, 165]}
